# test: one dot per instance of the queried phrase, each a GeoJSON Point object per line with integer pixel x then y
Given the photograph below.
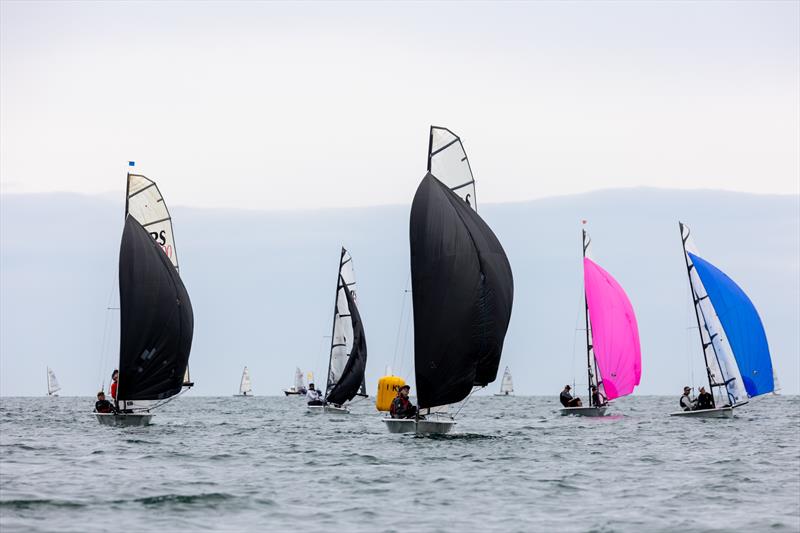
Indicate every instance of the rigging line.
{"type": "Point", "coordinates": [466, 400]}
{"type": "Point", "coordinates": [166, 401]}
{"type": "Point", "coordinates": [403, 353]}
{"type": "Point", "coordinates": [400, 323]}
{"type": "Point", "coordinates": [102, 355]}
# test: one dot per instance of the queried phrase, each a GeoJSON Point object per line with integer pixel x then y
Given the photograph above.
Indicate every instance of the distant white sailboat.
{"type": "Point", "coordinates": [506, 385]}
{"type": "Point", "coordinates": [52, 383]}
{"type": "Point", "coordinates": [245, 385]}
{"type": "Point", "coordinates": [299, 386]}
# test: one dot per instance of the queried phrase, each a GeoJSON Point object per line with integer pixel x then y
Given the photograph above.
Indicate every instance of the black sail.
{"type": "Point", "coordinates": [352, 380]}
{"type": "Point", "coordinates": [462, 289]}
{"type": "Point", "coordinates": [156, 319]}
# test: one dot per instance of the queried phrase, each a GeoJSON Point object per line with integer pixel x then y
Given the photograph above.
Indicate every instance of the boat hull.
{"type": "Point", "coordinates": [327, 410]}
{"type": "Point", "coordinates": [125, 420]}
{"type": "Point", "coordinates": [583, 411]}
{"type": "Point", "coordinates": [719, 412]}
{"type": "Point", "coordinates": [293, 393]}
{"type": "Point", "coordinates": [242, 395]}
{"type": "Point", "coordinates": [503, 394]}
{"type": "Point", "coordinates": [420, 427]}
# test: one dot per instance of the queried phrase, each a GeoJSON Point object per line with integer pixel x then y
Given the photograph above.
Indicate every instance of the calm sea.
{"type": "Point", "coordinates": [513, 464]}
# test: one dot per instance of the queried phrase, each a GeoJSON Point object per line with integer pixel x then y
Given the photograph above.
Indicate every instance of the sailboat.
{"type": "Point", "coordinates": [462, 289]}
{"type": "Point", "coordinates": [613, 351]}
{"type": "Point", "coordinates": [52, 383]}
{"type": "Point", "coordinates": [245, 387]}
{"type": "Point", "coordinates": [299, 386]}
{"type": "Point", "coordinates": [735, 349]}
{"type": "Point", "coordinates": [347, 360]}
{"type": "Point", "coordinates": [156, 319]}
{"type": "Point", "coordinates": [506, 384]}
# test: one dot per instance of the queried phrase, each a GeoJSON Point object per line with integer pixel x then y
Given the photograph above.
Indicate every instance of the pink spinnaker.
{"type": "Point", "coordinates": [615, 334]}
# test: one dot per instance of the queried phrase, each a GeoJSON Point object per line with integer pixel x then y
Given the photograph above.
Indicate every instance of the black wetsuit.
{"type": "Point", "coordinates": [597, 399]}
{"type": "Point", "coordinates": [104, 406]}
{"type": "Point", "coordinates": [705, 401]}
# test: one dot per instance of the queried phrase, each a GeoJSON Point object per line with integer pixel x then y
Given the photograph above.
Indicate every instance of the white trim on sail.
{"type": "Point", "coordinates": [342, 339]}
{"type": "Point", "coordinates": [447, 160]}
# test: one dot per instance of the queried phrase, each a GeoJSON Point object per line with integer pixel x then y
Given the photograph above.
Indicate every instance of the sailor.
{"type": "Point", "coordinates": [402, 406]}
{"type": "Point", "coordinates": [567, 400]}
{"type": "Point", "coordinates": [598, 400]}
{"type": "Point", "coordinates": [313, 395]}
{"type": "Point", "coordinates": [704, 400]}
{"type": "Point", "coordinates": [102, 405]}
{"type": "Point", "coordinates": [114, 383]}
{"type": "Point", "coordinates": [687, 403]}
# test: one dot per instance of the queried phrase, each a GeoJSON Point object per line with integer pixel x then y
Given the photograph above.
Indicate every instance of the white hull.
{"type": "Point", "coordinates": [129, 419]}
{"type": "Point", "coordinates": [719, 412]}
{"type": "Point", "coordinates": [328, 410]}
{"type": "Point", "coordinates": [504, 394]}
{"type": "Point", "coordinates": [420, 427]}
{"type": "Point", "coordinates": [584, 411]}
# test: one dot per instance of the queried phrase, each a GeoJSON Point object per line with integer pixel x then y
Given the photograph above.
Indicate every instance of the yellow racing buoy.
{"type": "Point", "coordinates": [387, 391]}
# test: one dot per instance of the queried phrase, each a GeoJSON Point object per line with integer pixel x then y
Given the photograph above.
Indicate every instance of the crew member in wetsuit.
{"type": "Point", "coordinates": [102, 405]}
{"type": "Point", "coordinates": [687, 403]}
{"type": "Point", "coordinates": [402, 406]}
{"type": "Point", "coordinates": [314, 396]}
{"type": "Point", "coordinates": [567, 400]}
{"type": "Point", "coordinates": [704, 400]}
{"type": "Point", "coordinates": [598, 400]}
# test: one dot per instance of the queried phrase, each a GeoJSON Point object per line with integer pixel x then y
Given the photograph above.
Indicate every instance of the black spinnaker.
{"type": "Point", "coordinates": [351, 382]}
{"type": "Point", "coordinates": [462, 289]}
{"type": "Point", "coordinates": [156, 319]}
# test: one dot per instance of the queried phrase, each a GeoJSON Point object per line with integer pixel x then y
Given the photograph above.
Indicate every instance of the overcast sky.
{"type": "Point", "coordinates": [271, 105]}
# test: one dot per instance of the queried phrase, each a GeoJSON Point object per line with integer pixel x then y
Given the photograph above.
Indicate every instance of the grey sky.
{"type": "Point", "coordinates": [271, 105]}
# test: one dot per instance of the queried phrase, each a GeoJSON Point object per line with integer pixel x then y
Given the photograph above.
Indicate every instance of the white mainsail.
{"type": "Point", "coordinates": [507, 384]}
{"type": "Point", "coordinates": [298, 380]}
{"type": "Point", "coordinates": [52, 383]}
{"type": "Point", "coordinates": [245, 387]}
{"type": "Point", "coordinates": [145, 203]}
{"type": "Point", "coordinates": [448, 162]}
{"type": "Point", "coordinates": [342, 339]}
{"type": "Point", "coordinates": [723, 371]}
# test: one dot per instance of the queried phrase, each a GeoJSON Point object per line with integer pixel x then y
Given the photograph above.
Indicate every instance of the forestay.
{"type": "Point", "coordinates": [448, 161]}
{"type": "Point", "coordinates": [614, 331]}
{"type": "Point", "coordinates": [145, 203]}
{"type": "Point", "coordinates": [245, 387]}
{"type": "Point", "coordinates": [348, 355]}
{"type": "Point", "coordinates": [156, 320]}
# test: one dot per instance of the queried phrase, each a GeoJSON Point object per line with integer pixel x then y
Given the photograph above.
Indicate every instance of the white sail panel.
{"type": "Point", "coordinates": [507, 384]}
{"type": "Point", "coordinates": [245, 387]}
{"type": "Point", "coordinates": [448, 162]}
{"type": "Point", "coordinates": [342, 341]}
{"type": "Point", "coordinates": [52, 382]}
{"type": "Point", "coordinates": [147, 206]}
{"type": "Point", "coordinates": [721, 363]}
{"type": "Point", "coordinates": [298, 380]}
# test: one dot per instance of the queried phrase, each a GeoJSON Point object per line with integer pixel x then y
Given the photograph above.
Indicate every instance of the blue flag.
{"type": "Point", "coordinates": [131, 163]}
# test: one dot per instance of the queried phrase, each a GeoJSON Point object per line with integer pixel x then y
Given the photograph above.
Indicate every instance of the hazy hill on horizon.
{"type": "Point", "coordinates": [262, 285]}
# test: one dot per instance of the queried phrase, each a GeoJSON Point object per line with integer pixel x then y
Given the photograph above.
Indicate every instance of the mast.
{"type": "Point", "coordinates": [695, 303]}
{"type": "Point", "coordinates": [333, 324]}
{"type": "Point", "coordinates": [586, 317]}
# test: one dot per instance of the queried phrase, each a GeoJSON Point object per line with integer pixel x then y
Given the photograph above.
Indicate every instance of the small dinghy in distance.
{"type": "Point", "coordinates": [506, 385]}
{"type": "Point", "coordinates": [156, 318]}
{"type": "Point", "coordinates": [52, 383]}
{"type": "Point", "coordinates": [462, 289]}
{"type": "Point", "coordinates": [245, 386]}
{"type": "Point", "coordinates": [299, 387]}
{"type": "Point", "coordinates": [732, 336]}
{"type": "Point", "coordinates": [613, 351]}
{"type": "Point", "coordinates": [347, 362]}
